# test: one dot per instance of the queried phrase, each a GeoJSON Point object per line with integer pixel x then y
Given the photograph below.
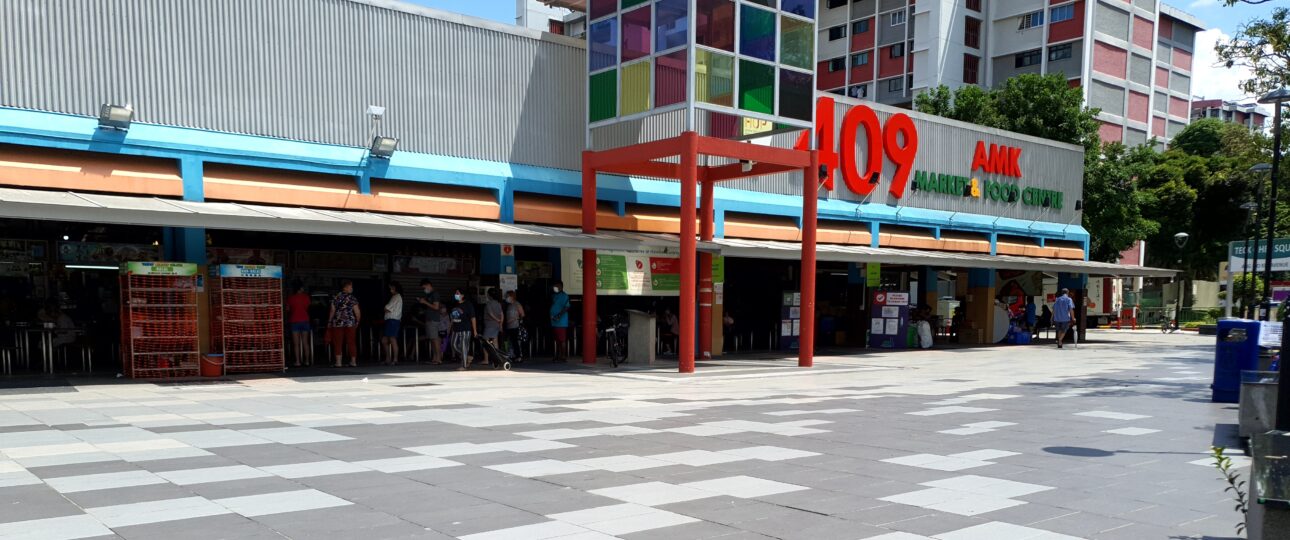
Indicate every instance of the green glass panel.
{"type": "Point", "coordinates": [629, 3]}
{"type": "Point", "coordinates": [796, 41]}
{"type": "Point", "coordinates": [756, 87]}
{"type": "Point", "coordinates": [714, 79]}
{"type": "Point", "coordinates": [636, 88]}
{"type": "Point", "coordinates": [603, 101]}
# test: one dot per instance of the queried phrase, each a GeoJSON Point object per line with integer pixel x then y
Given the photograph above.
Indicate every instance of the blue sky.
{"type": "Point", "coordinates": [1208, 80]}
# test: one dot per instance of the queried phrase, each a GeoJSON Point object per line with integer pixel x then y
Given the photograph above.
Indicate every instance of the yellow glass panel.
{"type": "Point", "coordinates": [714, 79]}
{"type": "Point", "coordinates": [636, 88]}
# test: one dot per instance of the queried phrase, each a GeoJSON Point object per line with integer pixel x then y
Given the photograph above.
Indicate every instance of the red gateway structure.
{"type": "Point", "coordinates": [648, 160]}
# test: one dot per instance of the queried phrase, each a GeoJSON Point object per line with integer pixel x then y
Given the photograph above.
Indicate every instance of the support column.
{"type": "Point", "coordinates": [810, 200]}
{"type": "Point", "coordinates": [191, 241]}
{"type": "Point", "coordinates": [706, 295]}
{"type": "Point", "coordinates": [927, 293]}
{"type": "Point", "coordinates": [689, 179]}
{"type": "Point", "coordinates": [588, 263]}
{"type": "Point", "coordinates": [979, 308]}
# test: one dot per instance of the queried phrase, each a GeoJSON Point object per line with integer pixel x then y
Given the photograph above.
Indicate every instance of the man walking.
{"type": "Point", "coordinates": [1063, 314]}
{"type": "Point", "coordinates": [560, 321]}
{"type": "Point", "coordinates": [430, 301]}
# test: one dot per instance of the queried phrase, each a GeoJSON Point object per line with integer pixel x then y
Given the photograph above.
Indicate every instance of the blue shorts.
{"type": "Point", "coordinates": [299, 327]}
{"type": "Point", "coordinates": [391, 328]}
{"type": "Point", "coordinates": [1062, 326]}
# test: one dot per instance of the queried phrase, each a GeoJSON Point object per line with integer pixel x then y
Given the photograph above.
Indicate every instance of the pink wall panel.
{"type": "Point", "coordinates": [1143, 33]}
{"type": "Point", "coordinates": [1139, 107]}
{"type": "Point", "coordinates": [1110, 60]}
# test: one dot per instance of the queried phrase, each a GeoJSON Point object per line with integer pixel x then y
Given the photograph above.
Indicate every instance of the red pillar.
{"type": "Point", "coordinates": [588, 264]}
{"type": "Point", "coordinates": [689, 179]}
{"type": "Point", "coordinates": [705, 274]}
{"type": "Point", "coordinates": [810, 195]}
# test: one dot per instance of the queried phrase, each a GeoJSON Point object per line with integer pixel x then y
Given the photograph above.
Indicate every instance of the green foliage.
{"type": "Point", "coordinates": [1039, 105]}
{"type": "Point", "coordinates": [1201, 138]}
{"type": "Point", "coordinates": [1112, 201]}
{"type": "Point", "coordinates": [1235, 485]}
{"type": "Point", "coordinates": [1263, 46]}
{"type": "Point", "coordinates": [1247, 288]}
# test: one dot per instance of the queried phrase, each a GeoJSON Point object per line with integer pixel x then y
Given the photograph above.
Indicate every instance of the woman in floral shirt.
{"type": "Point", "coordinates": [342, 323]}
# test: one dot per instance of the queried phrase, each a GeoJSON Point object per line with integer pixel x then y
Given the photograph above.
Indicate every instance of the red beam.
{"type": "Point", "coordinates": [810, 200]}
{"type": "Point", "coordinates": [656, 169]}
{"type": "Point", "coordinates": [705, 273]}
{"type": "Point", "coordinates": [689, 177]}
{"type": "Point", "coordinates": [712, 146]}
{"type": "Point", "coordinates": [588, 263]}
{"type": "Point", "coordinates": [735, 170]}
{"type": "Point", "coordinates": [636, 153]}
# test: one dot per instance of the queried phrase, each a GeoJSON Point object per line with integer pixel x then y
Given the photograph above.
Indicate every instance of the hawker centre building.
{"type": "Point", "coordinates": [381, 142]}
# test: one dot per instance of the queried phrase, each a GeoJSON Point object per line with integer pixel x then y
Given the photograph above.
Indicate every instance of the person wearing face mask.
{"type": "Point", "coordinates": [342, 323]}
{"type": "Point", "coordinates": [430, 301]}
{"type": "Point", "coordinates": [464, 326]}
{"type": "Point", "coordinates": [493, 319]}
{"type": "Point", "coordinates": [560, 321]}
{"type": "Point", "coordinates": [514, 317]}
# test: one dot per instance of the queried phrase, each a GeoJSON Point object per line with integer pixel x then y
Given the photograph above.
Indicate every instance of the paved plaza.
{"type": "Point", "coordinates": [1107, 441]}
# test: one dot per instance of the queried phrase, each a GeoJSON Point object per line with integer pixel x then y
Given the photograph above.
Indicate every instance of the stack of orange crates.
{"type": "Point", "coordinates": [159, 337]}
{"type": "Point", "coordinates": [247, 318]}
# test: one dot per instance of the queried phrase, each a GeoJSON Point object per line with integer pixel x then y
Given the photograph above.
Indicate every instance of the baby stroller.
{"type": "Point", "coordinates": [496, 357]}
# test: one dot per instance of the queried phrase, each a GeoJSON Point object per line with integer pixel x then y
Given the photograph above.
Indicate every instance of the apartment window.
{"type": "Point", "coordinates": [1031, 20]}
{"type": "Point", "coordinates": [839, 91]}
{"type": "Point", "coordinates": [860, 59]}
{"type": "Point", "coordinates": [974, 5]}
{"type": "Point", "coordinates": [971, 64]}
{"type": "Point", "coordinates": [837, 64]}
{"type": "Point", "coordinates": [555, 26]}
{"type": "Point", "coordinates": [896, 85]}
{"type": "Point", "coordinates": [859, 91]}
{"type": "Point", "coordinates": [837, 32]}
{"type": "Point", "coordinates": [1059, 52]}
{"type": "Point", "coordinates": [837, 3]}
{"type": "Point", "coordinates": [1063, 13]}
{"type": "Point", "coordinates": [860, 27]}
{"type": "Point", "coordinates": [898, 50]}
{"type": "Point", "coordinates": [972, 32]}
{"type": "Point", "coordinates": [1028, 58]}
{"type": "Point", "coordinates": [898, 18]}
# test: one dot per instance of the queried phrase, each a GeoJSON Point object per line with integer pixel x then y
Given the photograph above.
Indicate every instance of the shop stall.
{"type": "Point", "coordinates": [246, 317]}
{"type": "Point", "coordinates": [159, 333]}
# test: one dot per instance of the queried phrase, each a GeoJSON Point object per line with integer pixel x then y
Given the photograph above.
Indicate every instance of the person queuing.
{"type": "Point", "coordinates": [464, 326]}
{"type": "Point", "coordinates": [393, 320]}
{"type": "Point", "coordinates": [298, 318]}
{"type": "Point", "coordinates": [560, 321]}
{"type": "Point", "coordinates": [342, 324]}
{"type": "Point", "coordinates": [1063, 315]}
{"type": "Point", "coordinates": [493, 318]}
{"type": "Point", "coordinates": [514, 318]}
{"type": "Point", "coordinates": [431, 318]}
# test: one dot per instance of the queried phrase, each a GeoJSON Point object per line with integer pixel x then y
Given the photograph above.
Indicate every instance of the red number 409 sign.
{"type": "Point", "coordinates": [898, 139]}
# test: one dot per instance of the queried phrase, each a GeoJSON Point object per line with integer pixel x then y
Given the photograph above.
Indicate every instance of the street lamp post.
{"type": "Point", "coordinates": [1276, 98]}
{"type": "Point", "coordinates": [1180, 240]}
{"type": "Point", "coordinates": [1258, 170]}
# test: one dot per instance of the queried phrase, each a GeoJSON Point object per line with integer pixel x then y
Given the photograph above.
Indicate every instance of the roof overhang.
{"type": "Point", "coordinates": [159, 212]}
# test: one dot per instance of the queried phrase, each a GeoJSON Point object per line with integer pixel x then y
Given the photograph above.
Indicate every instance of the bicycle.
{"type": "Point", "coordinates": [616, 334]}
{"type": "Point", "coordinates": [1170, 325]}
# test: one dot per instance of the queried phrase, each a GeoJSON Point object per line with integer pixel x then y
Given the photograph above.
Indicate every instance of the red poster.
{"type": "Point", "coordinates": [664, 265]}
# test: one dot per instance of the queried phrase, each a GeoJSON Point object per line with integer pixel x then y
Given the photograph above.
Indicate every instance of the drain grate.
{"type": "Point", "coordinates": [416, 385]}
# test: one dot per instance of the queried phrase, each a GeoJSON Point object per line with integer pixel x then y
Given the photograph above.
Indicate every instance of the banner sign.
{"type": "Point", "coordinates": [160, 268]}
{"type": "Point", "coordinates": [100, 252]}
{"type": "Point", "coordinates": [1258, 252]}
{"type": "Point", "coordinates": [630, 274]}
{"type": "Point", "coordinates": [250, 271]}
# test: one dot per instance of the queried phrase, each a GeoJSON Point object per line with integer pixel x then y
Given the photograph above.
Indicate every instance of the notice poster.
{"type": "Point", "coordinates": [160, 268]}
{"type": "Point", "coordinates": [611, 273]}
{"type": "Point", "coordinates": [786, 327]}
{"type": "Point", "coordinates": [897, 299]}
{"type": "Point", "coordinates": [508, 282]}
{"type": "Point", "coordinates": [890, 311]}
{"type": "Point", "coordinates": [876, 326]}
{"type": "Point", "coordinates": [797, 327]}
{"type": "Point", "coordinates": [665, 273]}
{"type": "Point", "coordinates": [893, 327]}
{"type": "Point", "coordinates": [1270, 334]}
{"type": "Point", "coordinates": [873, 274]}
{"type": "Point", "coordinates": [795, 312]}
{"type": "Point", "coordinates": [250, 271]}
{"type": "Point", "coordinates": [630, 274]}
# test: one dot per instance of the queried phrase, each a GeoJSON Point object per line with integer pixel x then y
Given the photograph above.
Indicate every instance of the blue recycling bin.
{"type": "Point", "coordinates": [1237, 350]}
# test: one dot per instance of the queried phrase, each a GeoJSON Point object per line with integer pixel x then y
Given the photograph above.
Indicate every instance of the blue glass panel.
{"type": "Point", "coordinates": [804, 8]}
{"type": "Point", "coordinates": [603, 41]}
{"type": "Point", "coordinates": [670, 24]}
{"type": "Point", "coordinates": [757, 33]}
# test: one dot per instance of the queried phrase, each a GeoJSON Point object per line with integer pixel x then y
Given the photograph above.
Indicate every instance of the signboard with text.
{"type": "Point", "coordinates": [1237, 262]}
{"type": "Point", "coordinates": [630, 274]}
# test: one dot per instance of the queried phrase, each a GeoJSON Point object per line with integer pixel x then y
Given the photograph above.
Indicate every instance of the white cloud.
{"type": "Point", "coordinates": [1198, 4]}
{"type": "Point", "coordinates": [1210, 79]}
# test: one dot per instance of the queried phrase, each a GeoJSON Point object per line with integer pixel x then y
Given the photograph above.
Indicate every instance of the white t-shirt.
{"type": "Point", "coordinates": [394, 308]}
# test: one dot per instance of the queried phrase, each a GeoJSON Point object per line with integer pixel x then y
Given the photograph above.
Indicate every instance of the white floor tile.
{"type": "Point", "coordinates": [124, 515]}
{"type": "Point", "coordinates": [769, 453]}
{"type": "Point", "coordinates": [314, 468]}
{"type": "Point", "coordinates": [656, 519]}
{"type": "Point", "coordinates": [216, 438]}
{"type": "Point", "coordinates": [966, 431]}
{"type": "Point", "coordinates": [114, 434]}
{"type": "Point", "coordinates": [528, 445]}
{"type": "Point", "coordinates": [1133, 431]}
{"type": "Point", "coordinates": [67, 459]}
{"type": "Point", "coordinates": [280, 503]}
{"type": "Point", "coordinates": [985, 455]}
{"type": "Point", "coordinates": [990, 425]}
{"type": "Point", "coordinates": [589, 535]}
{"type": "Point", "coordinates": [541, 467]}
{"type": "Point", "coordinates": [697, 458]}
{"type": "Point", "coordinates": [47, 450]}
{"type": "Point", "coordinates": [975, 505]}
{"type": "Point", "coordinates": [407, 463]}
{"type": "Point", "coordinates": [996, 530]}
{"type": "Point", "coordinates": [558, 434]}
{"type": "Point", "coordinates": [926, 497]}
{"type": "Point", "coordinates": [704, 431]}
{"type": "Point", "coordinates": [18, 478]}
{"type": "Point", "coordinates": [602, 513]}
{"type": "Point", "coordinates": [295, 435]}
{"type": "Point", "coordinates": [1112, 415]}
{"type": "Point", "coordinates": [163, 453]}
{"type": "Point", "coordinates": [93, 482]}
{"type": "Point", "coordinates": [453, 449]}
{"type": "Point", "coordinates": [987, 486]}
{"type": "Point", "coordinates": [622, 463]}
{"type": "Point", "coordinates": [59, 528]}
{"type": "Point", "coordinates": [745, 487]}
{"type": "Point", "coordinates": [187, 477]}
{"type": "Point", "coordinates": [953, 409]}
{"type": "Point", "coordinates": [619, 431]}
{"type": "Point", "coordinates": [899, 536]}
{"type": "Point", "coordinates": [653, 493]}
{"type": "Point", "coordinates": [537, 531]}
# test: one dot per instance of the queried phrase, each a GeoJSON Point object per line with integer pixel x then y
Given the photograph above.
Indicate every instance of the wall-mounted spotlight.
{"type": "Point", "coordinates": [115, 116]}
{"type": "Point", "coordinates": [383, 147]}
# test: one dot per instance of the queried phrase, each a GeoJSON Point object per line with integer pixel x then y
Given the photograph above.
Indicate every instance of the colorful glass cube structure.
{"type": "Point", "coordinates": [723, 68]}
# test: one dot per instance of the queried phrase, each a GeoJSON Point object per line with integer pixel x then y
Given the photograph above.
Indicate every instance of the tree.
{"type": "Point", "coordinates": [1046, 106]}
{"type": "Point", "coordinates": [1201, 138]}
{"type": "Point", "coordinates": [1112, 202]}
{"type": "Point", "coordinates": [1263, 46]}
